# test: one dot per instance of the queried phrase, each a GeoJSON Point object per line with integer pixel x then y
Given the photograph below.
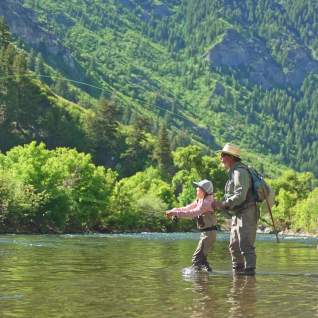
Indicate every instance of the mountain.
{"type": "Point", "coordinates": [29, 109]}
{"type": "Point", "coordinates": [239, 71]}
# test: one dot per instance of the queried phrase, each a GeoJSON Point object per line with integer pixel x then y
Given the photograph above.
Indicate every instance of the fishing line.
{"type": "Point", "coordinates": [93, 86]}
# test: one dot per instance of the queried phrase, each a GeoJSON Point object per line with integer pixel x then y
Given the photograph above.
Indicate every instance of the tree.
{"type": "Point", "coordinates": [61, 88]}
{"type": "Point", "coordinates": [180, 139]}
{"type": "Point", "coordinates": [186, 158]}
{"type": "Point", "coordinates": [5, 35]}
{"type": "Point", "coordinates": [39, 65]}
{"type": "Point", "coordinates": [139, 201]}
{"type": "Point", "coordinates": [162, 153]}
{"type": "Point", "coordinates": [136, 156]}
{"type": "Point", "coordinates": [54, 190]}
{"type": "Point", "coordinates": [102, 131]}
{"type": "Point", "coordinates": [31, 60]}
{"type": "Point", "coordinates": [305, 213]}
{"type": "Point", "coordinates": [19, 67]}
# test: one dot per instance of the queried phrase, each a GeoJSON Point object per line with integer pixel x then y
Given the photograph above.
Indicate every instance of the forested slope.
{"type": "Point", "coordinates": [154, 87]}
{"type": "Point", "coordinates": [247, 71]}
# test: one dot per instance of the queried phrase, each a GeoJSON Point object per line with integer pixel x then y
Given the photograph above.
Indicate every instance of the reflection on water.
{"type": "Point", "coordinates": [141, 276]}
{"type": "Point", "coordinates": [242, 297]}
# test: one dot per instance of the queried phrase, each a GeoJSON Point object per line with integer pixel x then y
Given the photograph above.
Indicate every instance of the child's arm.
{"type": "Point", "coordinates": [181, 210]}
{"type": "Point", "coordinates": [190, 211]}
{"type": "Point", "coordinates": [185, 208]}
{"type": "Point", "coordinates": [209, 204]}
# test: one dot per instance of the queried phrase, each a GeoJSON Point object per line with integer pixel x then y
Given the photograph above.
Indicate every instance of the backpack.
{"type": "Point", "coordinates": [261, 190]}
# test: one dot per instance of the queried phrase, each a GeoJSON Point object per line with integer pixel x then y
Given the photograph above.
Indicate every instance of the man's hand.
{"type": "Point", "coordinates": [218, 205]}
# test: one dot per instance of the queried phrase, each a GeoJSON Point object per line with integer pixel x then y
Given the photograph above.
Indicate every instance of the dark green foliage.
{"type": "Point", "coordinates": [102, 132]}
{"type": "Point", "coordinates": [137, 147]}
{"type": "Point", "coordinates": [29, 111]}
{"type": "Point", "coordinates": [61, 190]}
{"type": "Point", "coordinates": [156, 56]}
{"type": "Point", "coordinates": [61, 88]}
{"type": "Point", "coordinates": [162, 153]}
{"type": "Point", "coordinates": [154, 59]}
{"type": "Point", "coordinates": [5, 35]}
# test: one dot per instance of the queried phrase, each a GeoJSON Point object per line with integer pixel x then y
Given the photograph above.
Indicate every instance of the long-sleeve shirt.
{"type": "Point", "coordinates": [199, 208]}
{"type": "Point", "coordinates": [238, 187]}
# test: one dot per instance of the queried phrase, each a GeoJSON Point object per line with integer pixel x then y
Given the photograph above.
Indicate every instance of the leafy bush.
{"type": "Point", "coordinates": [291, 188]}
{"type": "Point", "coordinates": [19, 204]}
{"type": "Point", "coordinates": [54, 190]}
{"type": "Point", "coordinates": [139, 202]}
{"type": "Point", "coordinates": [305, 213]}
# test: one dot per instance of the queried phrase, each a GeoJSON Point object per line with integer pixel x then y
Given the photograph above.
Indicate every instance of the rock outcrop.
{"type": "Point", "coordinates": [23, 24]}
{"type": "Point", "coordinates": [251, 60]}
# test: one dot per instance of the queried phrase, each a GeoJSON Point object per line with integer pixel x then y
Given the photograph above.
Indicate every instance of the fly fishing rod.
{"type": "Point", "coordinates": [273, 222]}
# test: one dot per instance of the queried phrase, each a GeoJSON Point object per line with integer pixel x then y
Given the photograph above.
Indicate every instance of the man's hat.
{"type": "Point", "coordinates": [232, 150]}
{"type": "Point", "coordinates": [205, 185]}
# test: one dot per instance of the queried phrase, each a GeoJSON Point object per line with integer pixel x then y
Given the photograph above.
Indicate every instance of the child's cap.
{"type": "Point", "coordinates": [205, 185]}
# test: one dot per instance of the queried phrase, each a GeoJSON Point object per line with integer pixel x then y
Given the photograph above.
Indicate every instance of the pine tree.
{"type": "Point", "coordinates": [31, 60]}
{"type": "Point", "coordinates": [61, 88]}
{"type": "Point", "coordinates": [136, 156]}
{"type": "Point", "coordinates": [162, 153]}
{"type": "Point", "coordinates": [180, 139]}
{"type": "Point", "coordinates": [102, 131]}
{"type": "Point", "coordinates": [5, 36]}
{"type": "Point", "coordinates": [39, 65]}
{"type": "Point", "coordinates": [19, 67]}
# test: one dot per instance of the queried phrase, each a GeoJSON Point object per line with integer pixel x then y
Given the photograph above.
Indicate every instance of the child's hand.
{"type": "Point", "coordinates": [169, 214]}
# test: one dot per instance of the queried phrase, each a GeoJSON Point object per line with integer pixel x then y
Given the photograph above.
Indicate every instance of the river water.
{"type": "Point", "coordinates": [140, 275]}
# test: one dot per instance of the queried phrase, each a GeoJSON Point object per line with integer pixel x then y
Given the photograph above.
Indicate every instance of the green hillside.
{"type": "Point", "coordinates": [150, 89]}
{"type": "Point", "coordinates": [30, 110]}
{"type": "Point", "coordinates": [238, 71]}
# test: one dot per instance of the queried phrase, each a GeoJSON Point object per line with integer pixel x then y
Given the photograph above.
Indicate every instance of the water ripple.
{"type": "Point", "coordinates": [139, 275]}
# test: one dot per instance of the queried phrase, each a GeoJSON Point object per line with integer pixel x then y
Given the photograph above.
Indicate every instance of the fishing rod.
{"type": "Point", "coordinates": [273, 222]}
{"type": "Point", "coordinates": [271, 225]}
{"type": "Point", "coordinates": [265, 195]}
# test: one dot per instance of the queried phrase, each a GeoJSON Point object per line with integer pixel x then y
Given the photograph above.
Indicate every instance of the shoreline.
{"type": "Point", "coordinates": [265, 231]}
{"type": "Point", "coordinates": [287, 233]}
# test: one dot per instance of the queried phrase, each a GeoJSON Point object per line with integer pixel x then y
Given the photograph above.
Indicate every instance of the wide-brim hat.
{"type": "Point", "coordinates": [231, 150]}
{"type": "Point", "coordinates": [205, 185]}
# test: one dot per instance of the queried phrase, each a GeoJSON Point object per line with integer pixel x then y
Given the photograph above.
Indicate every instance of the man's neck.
{"type": "Point", "coordinates": [232, 165]}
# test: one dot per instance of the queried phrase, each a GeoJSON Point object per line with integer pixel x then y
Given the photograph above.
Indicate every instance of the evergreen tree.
{"type": "Point", "coordinates": [19, 67]}
{"type": "Point", "coordinates": [5, 36]}
{"type": "Point", "coordinates": [61, 88]}
{"type": "Point", "coordinates": [39, 65]}
{"type": "Point", "coordinates": [102, 131]}
{"type": "Point", "coordinates": [180, 139]}
{"type": "Point", "coordinates": [136, 156]}
{"type": "Point", "coordinates": [162, 153]}
{"type": "Point", "coordinates": [31, 60]}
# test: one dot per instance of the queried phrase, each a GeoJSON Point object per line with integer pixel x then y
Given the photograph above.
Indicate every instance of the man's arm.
{"type": "Point", "coordinates": [241, 178]}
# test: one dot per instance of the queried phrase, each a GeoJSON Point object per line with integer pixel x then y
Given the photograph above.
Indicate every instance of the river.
{"type": "Point", "coordinates": [140, 275]}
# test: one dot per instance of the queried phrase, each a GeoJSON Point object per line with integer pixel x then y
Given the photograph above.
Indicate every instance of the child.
{"type": "Point", "coordinates": [202, 210]}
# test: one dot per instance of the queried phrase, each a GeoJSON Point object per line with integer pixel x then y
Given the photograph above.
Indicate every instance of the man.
{"type": "Point", "coordinates": [239, 202]}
